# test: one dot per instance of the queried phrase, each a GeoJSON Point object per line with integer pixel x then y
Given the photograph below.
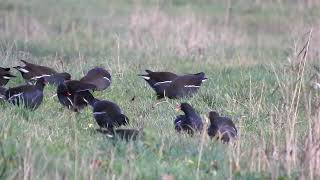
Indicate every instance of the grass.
{"type": "Point", "coordinates": [244, 50]}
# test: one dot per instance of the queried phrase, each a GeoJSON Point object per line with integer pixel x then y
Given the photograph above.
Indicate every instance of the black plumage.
{"type": "Point", "coordinates": [70, 94]}
{"type": "Point", "coordinates": [5, 76]}
{"type": "Point", "coordinates": [99, 77]}
{"type": "Point", "coordinates": [122, 134]}
{"type": "Point", "coordinates": [190, 121]}
{"type": "Point", "coordinates": [2, 93]}
{"type": "Point", "coordinates": [58, 78]}
{"type": "Point", "coordinates": [107, 114]}
{"type": "Point", "coordinates": [184, 86]}
{"type": "Point", "coordinates": [221, 127]}
{"type": "Point", "coordinates": [32, 72]}
{"type": "Point", "coordinates": [30, 96]}
{"type": "Point", "coordinates": [159, 81]}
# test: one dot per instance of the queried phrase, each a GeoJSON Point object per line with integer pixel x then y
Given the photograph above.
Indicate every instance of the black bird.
{"type": "Point", "coordinates": [123, 134]}
{"type": "Point", "coordinates": [5, 76]}
{"type": "Point", "coordinates": [221, 127]}
{"type": "Point", "coordinates": [99, 77]}
{"type": "Point", "coordinates": [159, 81]}
{"type": "Point", "coordinates": [32, 72]}
{"type": "Point", "coordinates": [58, 78]}
{"type": "Point", "coordinates": [30, 96]}
{"type": "Point", "coordinates": [107, 114]}
{"type": "Point", "coordinates": [190, 121]}
{"type": "Point", "coordinates": [2, 93]}
{"type": "Point", "coordinates": [184, 86]}
{"type": "Point", "coordinates": [69, 94]}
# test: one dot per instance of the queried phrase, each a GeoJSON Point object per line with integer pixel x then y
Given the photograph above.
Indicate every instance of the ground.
{"type": "Point", "coordinates": [249, 50]}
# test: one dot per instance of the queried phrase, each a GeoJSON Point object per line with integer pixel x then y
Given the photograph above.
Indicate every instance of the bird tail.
{"type": "Point", "coordinates": [146, 76]}
{"type": "Point", "coordinates": [148, 71]}
{"type": "Point", "coordinates": [8, 76]}
{"type": "Point", "coordinates": [21, 69]}
{"type": "Point", "coordinates": [25, 62]}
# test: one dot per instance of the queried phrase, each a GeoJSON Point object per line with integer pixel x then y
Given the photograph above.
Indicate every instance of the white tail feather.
{"type": "Point", "coordinates": [6, 77]}
{"type": "Point", "coordinates": [23, 70]}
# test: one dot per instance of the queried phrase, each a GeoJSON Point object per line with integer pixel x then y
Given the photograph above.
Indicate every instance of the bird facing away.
{"type": "Point", "coordinates": [159, 81]}
{"type": "Point", "coordinates": [221, 127]}
{"type": "Point", "coordinates": [30, 96]}
{"type": "Point", "coordinates": [184, 86]}
{"type": "Point", "coordinates": [190, 121]}
{"type": "Point", "coordinates": [32, 72]}
{"type": "Point", "coordinates": [69, 94]}
{"type": "Point", "coordinates": [107, 114]}
{"type": "Point", "coordinates": [5, 76]}
{"type": "Point", "coordinates": [99, 77]}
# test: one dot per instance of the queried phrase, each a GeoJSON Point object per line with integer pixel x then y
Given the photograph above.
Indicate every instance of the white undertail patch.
{"type": "Point", "coordinates": [110, 135]}
{"type": "Point", "coordinates": [23, 70]}
{"type": "Point", "coordinates": [145, 77]}
{"type": "Point", "coordinates": [6, 77]}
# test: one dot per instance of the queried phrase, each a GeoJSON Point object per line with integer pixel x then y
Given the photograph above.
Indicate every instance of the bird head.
{"type": "Point", "coordinates": [213, 115]}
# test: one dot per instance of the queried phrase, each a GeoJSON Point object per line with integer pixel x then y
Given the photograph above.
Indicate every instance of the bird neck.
{"type": "Point", "coordinates": [91, 99]}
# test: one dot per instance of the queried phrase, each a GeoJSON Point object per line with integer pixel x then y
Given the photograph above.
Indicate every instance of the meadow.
{"type": "Point", "coordinates": [262, 59]}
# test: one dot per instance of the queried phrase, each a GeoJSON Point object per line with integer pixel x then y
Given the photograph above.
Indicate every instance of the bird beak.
{"type": "Point", "coordinates": [178, 108]}
{"type": "Point", "coordinates": [69, 94]}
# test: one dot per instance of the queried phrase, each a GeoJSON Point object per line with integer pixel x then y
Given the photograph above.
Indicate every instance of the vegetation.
{"type": "Point", "coordinates": [249, 49]}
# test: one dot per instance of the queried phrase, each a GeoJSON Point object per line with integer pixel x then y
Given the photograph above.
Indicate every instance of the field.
{"type": "Point", "coordinates": [249, 50]}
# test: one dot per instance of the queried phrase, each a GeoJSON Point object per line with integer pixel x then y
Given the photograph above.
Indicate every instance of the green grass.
{"type": "Point", "coordinates": [128, 37]}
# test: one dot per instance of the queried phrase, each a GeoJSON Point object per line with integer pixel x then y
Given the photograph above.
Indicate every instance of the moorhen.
{"type": "Point", "coordinates": [221, 127]}
{"type": "Point", "coordinates": [107, 114]}
{"type": "Point", "coordinates": [159, 81]}
{"type": "Point", "coordinates": [99, 77]}
{"type": "Point", "coordinates": [184, 86]}
{"type": "Point", "coordinates": [32, 72]}
{"type": "Point", "coordinates": [69, 94]}
{"type": "Point", "coordinates": [30, 96]}
{"type": "Point", "coordinates": [190, 121]}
